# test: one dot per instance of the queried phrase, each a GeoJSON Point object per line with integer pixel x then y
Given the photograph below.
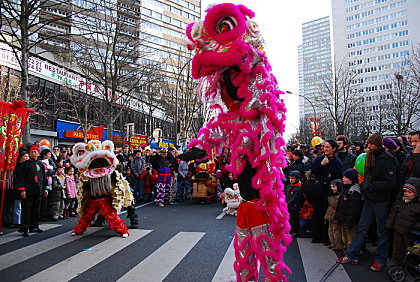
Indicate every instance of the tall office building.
{"type": "Point", "coordinates": [374, 37]}
{"type": "Point", "coordinates": [315, 68]}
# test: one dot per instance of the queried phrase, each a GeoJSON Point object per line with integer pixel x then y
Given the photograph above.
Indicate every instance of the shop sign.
{"type": "Point", "coordinates": [137, 140]}
{"type": "Point", "coordinates": [92, 134]}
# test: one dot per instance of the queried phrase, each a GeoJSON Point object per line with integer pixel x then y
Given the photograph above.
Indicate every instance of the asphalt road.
{"type": "Point", "coordinates": [185, 242]}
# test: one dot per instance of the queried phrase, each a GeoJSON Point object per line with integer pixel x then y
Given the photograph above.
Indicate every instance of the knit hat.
{"type": "Point", "coordinates": [338, 183]}
{"type": "Point", "coordinates": [390, 144]}
{"type": "Point", "coordinates": [376, 139]}
{"type": "Point", "coordinates": [295, 173]}
{"type": "Point", "coordinates": [34, 148]}
{"type": "Point", "coordinates": [352, 175]}
{"type": "Point", "coordinates": [298, 153]}
{"type": "Point", "coordinates": [412, 184]}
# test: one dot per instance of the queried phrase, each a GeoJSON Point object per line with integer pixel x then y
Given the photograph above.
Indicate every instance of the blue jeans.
{"type": "Point", "coordinates": [138, 190]}
{"type": "Point", "coordinates": [371, 210]}
{"type": "Point", "coordinates": [184, 186]}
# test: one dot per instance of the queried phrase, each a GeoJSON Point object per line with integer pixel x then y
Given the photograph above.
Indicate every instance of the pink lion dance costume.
{"type": "Point", "coordinates": [235, 77]}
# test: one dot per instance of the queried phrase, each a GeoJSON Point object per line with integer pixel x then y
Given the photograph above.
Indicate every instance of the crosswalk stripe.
{"type": "Point", "coordinates": [137, 207]}
{"type": "Point", "coordinates": [225, 270]}
{"type": "Point", "coordinates": [315, 269]}
{"type": "Point", "coordinates": [220, 216]}
{"type": "Point", "coordinates": [160, 263]}
{"type": "Point", "coordinates": [17, 235]}
{"type": "Point", "coordinates": [33, 250]}
{"type": "Point", "coordinates": [71, 267]}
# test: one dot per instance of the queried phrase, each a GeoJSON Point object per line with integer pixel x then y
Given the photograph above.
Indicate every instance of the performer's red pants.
{"type": "Point", "coordinates": [249, 216]}
{"type": "Point", "coordinates": [253, 241]}
{"type": "Point", "coordinates": [103, 207]}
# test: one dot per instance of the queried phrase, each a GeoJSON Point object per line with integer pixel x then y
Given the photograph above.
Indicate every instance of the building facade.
{"type": "Point", "coordinates": [375, 38]}
{"type": "Point", "coordinates": [315, 69]}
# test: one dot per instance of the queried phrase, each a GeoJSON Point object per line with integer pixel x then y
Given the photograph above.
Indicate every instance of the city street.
{"type": "Point", "coordinates": [185, 242]}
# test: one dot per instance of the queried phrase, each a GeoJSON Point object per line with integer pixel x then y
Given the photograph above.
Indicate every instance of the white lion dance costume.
{"type": "Point", "coordinates": [102, 189]}
{"type": "Point", "coordinates": [235, 77]}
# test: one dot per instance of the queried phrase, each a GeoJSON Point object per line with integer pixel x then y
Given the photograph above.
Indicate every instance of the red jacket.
{"type": "Point", "coordinates": [149, 179]}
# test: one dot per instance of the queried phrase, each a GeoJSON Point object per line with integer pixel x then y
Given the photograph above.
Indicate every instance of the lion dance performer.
{"type": "Point", "coordinates": [236, 79]}
{"type": "Point", "coordinates": [101, 189]}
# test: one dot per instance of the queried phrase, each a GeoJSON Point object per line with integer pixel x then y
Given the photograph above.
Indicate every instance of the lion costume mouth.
{"type": "Point", "coordinates": [99, 167]}
{"type": "Point", "coordinates": [95, 159]}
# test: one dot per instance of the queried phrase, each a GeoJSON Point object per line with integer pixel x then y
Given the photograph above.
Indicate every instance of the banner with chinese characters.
{"type": "Point", "coordinates": [13, 119]}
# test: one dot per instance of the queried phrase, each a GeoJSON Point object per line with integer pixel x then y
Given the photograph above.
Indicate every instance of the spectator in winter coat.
{"type": "Point", "coordinates": [32, 185]}
{"type": "Point", "coordinates": [149, 177]}
{"type": "Point", "coordinates": [70, 202]}
{"type": "Point", "coordinates": [359, 147]}
{"type": "Point", "coordinates": [334, 227]}
{"type": "Point", "coordinates": [306, 153]}
{"type": "Point", "coordinates": [390, 146]}
{"type": "Point", "coordinates": [57, 194]}
{"type": "Point", "coordinates": [400, 152]}
{"type": "Point", "coordinates": [377, 189]}
{"type": "Point", "coordinates": [349, 206]}
{"type": "Point", "coordinates": [294, 201]}
{"type": "Point", "coordinates": [346, 158]}
{"type": "Point", "coordinates": [130, 178]}
{"type": "Point", "coordinates": [137, 167]}
{"type": "Point", "coordinates": [325, 168]}
{"type": "Point", "coordinates": [183, 183]}
{"type": "Point", "coordinates": [404, 216]}
{"type": "Point", "coordinates": [298, 163]}
{"type": "Point", "coordinates": [411, 164]}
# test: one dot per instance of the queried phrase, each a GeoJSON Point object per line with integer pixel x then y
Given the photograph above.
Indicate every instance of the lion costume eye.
{"type": "Point", "coordinates": [81, 153]}
{"type": "Point", "coordinates": [226, 24]}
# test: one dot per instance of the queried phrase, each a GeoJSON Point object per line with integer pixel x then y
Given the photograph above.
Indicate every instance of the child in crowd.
{"type": "Point", "coordinates": [349, 206]}
{"type": "Point", "coordinates": [70, 201]}
{"type": "Point", "coordinates": [305, 216]}
{"type": "Point", "coordinates": [57, 194]}
{"type": "Point", "coordinates": [334, 227]}
{"type": "Point", "coordinates": [405, 218]}
{"type": "Point", "coordinates": [150, 178]}
{"type": "Point", "coordinates": [130, 177]}
{"type": "Point", "coordinates": [294, 201]}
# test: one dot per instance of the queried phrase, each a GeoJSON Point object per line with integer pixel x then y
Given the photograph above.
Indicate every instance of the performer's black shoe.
{"type": "Point", "coordinates": [36, 230]}
{"type": "Point", "coordinates": [99, 222]}
{"type": "Point", "coordinates": [193, 154]}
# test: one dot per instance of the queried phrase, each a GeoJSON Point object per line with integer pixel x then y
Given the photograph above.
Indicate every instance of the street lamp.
{"type": "Point", "coordinates": [313, 108]}
{"type": "Point", "coordinates": [176, 99]}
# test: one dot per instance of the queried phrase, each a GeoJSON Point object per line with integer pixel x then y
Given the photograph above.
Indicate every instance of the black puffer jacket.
{"type": "Point", "coordinates": [324, 174]}
{"type": "Point", "coordinates": [405, 216]}
{"type": "Point", "coordinates": [294, 197]}
{"type": "Point", "coordinates": [347, 159]}
{"type": "Point", "coordinates": [381, 179]}
{"type": "Point", "coordinates": [349, 206]}
{"type": "Point", "coordinates": [31, 178]}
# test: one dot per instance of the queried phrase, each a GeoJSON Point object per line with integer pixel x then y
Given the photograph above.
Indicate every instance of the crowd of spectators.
{"type": "Point", "coordinates": [348, 207]}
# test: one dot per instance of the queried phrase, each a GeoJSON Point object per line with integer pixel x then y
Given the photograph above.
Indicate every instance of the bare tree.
{"type": "Point", "coordinates": [21, 24]}
{"type": "Point", "coordinates": [110, 57]}
{"type": "Point", "coordinates": [401, 103]}
{"type": "Point", "coordinates": [76, 104]}
{"type": "Point", "coordinates": [187, 104]}
{"type": "Point", "coordinates": [341, 98]}
{"type": "Point", "coordinates": [305, 133]}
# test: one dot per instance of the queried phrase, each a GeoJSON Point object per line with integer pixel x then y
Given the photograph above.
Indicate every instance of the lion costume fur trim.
{"type": "Point", "coordinates": [120, 193]}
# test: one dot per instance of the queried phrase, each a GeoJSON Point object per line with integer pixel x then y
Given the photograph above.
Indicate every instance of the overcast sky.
{"type": "Point", "coordinates": [280, 22]}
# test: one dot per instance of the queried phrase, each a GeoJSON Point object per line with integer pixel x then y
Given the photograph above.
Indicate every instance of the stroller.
{"type": "Point", "coordinates": [411, 265]}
